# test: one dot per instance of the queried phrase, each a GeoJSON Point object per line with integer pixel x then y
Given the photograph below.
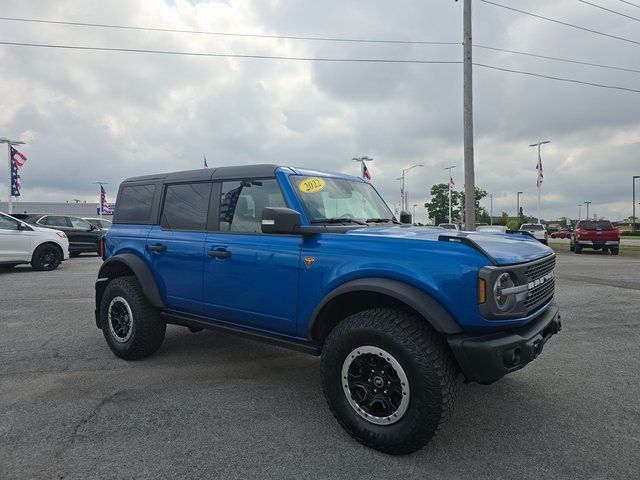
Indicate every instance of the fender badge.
{"type": "Point", "coordinates": [309, 261]}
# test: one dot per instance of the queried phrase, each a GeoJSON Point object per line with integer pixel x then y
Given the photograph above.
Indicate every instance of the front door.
{"type": "Point", "coordinates": [175, 248]}
{"type": "Point", "coordinates": [251, 279]}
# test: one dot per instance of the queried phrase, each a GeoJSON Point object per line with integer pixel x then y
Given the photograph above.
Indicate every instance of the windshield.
{"type": "Point", "coordinates": [332, 199]}
{"type": "Point", "coordinates": [531, 226]}
{"type": "Point", "coordinates": [599, 225]}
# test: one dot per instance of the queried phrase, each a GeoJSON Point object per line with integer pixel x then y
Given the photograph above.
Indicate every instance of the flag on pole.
{"type": "Point", "coordinates": [205, 161]}
{"type": "Point", "coordinates": [451, 182]}
{"type": "Point", "coordinates": [17, 161]}
{"type": "Point", "coordinates": [539, 169]}
{"type": "Point", "coordinates": [105, 208]}
{"type": "Point", "coordinates": [365, 172]}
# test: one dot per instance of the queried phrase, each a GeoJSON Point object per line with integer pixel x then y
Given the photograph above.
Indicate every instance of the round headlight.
{"type": "Point", "coordinates": [504, 302]}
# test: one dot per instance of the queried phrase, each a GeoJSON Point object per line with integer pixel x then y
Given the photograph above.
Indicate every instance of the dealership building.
{"type": "Point", "coordinates": [84, 209]}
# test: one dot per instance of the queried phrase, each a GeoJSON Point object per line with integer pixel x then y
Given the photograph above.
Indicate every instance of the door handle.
{"type": "Point", "coordinates": [219, 253]}
{"type": "Point", "coordinates": [158, 247]}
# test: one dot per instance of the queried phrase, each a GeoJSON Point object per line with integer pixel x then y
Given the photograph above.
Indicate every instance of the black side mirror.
{"type": "Point", "coordinates": [280, 220]}
{"type": "Point", "coordinates": [405, 217]}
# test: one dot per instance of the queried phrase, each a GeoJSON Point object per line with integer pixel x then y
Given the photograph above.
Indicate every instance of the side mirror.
{"type": "Point", "coordinates": [405, 217]}
{"type": "Point", "coordinates": [280, 220]}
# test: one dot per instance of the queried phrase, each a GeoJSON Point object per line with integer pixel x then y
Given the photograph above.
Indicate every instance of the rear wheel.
{"type": "Point", "coordinates": [46, 257]}
{"type": "Point", "coordinates": [131, 326]}
{"type": "Point", "coordinates": [389, 379]}
{"type": "Point", "coordinates": [577, 248]}
{"type": "Point", "coordinates": [614, 250]}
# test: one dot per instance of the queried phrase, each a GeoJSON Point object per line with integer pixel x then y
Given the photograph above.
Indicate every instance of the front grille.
{"type": "Point", "coordinates": [541, 268]}
{"type": "Point", "coordinates": [543, 292]}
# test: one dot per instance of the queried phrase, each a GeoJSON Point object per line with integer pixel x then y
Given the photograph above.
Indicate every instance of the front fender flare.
{"type": "Point", "coordinates": [429, 308]}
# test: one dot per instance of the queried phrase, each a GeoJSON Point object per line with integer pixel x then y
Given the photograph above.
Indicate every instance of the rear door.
{"type": "Point", "coordinates": [251, 279]}
{"type": "Point", "coordinates": [15, 244]}
{"type": "Point", "coordinates": [86, 237]}
{"type": "Point", "coordinates": [175, 248]}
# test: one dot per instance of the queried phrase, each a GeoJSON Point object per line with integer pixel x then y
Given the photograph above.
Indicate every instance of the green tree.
{"type": "Point", "coordinates": [503, 219]}
{"type": "Point", "coordinates": [480, 194]}
{"type": "Point", "coordinates": [438, 207]}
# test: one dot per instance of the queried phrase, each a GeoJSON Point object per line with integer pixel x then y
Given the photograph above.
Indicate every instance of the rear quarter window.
{"type": "Point", "coordinates": [135, 203]}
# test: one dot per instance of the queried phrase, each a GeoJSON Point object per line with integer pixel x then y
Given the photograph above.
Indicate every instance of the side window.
{"type": "Point", "coordinates": [186, 206]}
{"type": "Point", "coordinates": [7, 223]}
{"type": "Point", "coordinates": [135, 203]}
{"type": "Point", "coordinates": [241, 204]}
{"type": "Point", "coordinates": [54, 221]}
{"type": "Point", "coordinates": [79, 223]}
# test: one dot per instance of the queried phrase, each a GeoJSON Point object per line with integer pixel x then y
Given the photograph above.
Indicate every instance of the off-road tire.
{"type": "Point", "coordinates": [148, 328]}
{"type": "Point", "coordinates": [424, 357]}
{"type": "Point", "coordinates": [46, 257]}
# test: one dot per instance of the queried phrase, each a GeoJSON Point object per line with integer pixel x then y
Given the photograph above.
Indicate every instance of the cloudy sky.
{"type": "Point", "coordinates": [103, 116]}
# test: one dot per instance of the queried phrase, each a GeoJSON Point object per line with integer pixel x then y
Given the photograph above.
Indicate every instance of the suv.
{"type": "Point", "coordinates": [537, 230]}
{"type": "Point", "coordinates": [595, 234]}
{"type": "Point", "coordinates": [316, 262]}
{"type": "Point", "coordinates": [83, 236]}
{"type": "Point", "coordinates": [20, 243]}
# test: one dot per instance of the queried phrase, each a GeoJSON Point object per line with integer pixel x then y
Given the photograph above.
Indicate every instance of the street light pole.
{"type": "Point", "coordinates": [491, 209]}
{"type": "Point", "coordinates": [10, 143]}
{"type": "Point", "coordinates": [362, 160]}
{"type": "Point", "coordinates": [633, 228]}
{"type": "Point", "coordinates": [518, 204]}
{"type": "Point", "coordinates": [450, 178]}
{"type": "Point", "coordinates": [587, 204]}
{"type": "Point", "coordinates": [403, 192]}
{"type": "Point", "coordinates": [414, 213]}
{"type": "Point", "coordinates": [539, 182]}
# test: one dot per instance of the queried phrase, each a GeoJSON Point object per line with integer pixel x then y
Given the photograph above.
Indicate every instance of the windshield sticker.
{"type": "Point", "coordinates": [311, 185]}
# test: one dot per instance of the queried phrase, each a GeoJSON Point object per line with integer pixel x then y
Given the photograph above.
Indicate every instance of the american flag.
{"type": "Point", "coordinates": [365, 172]}
{"type": "Point", "coordinates": [17, 162]}
{"type": "Point", "coordinates": [451, 182]}
{"type": "Point", "coordinates": [539, 169]}
{"type": "Point", "coordinates": [105, 208]}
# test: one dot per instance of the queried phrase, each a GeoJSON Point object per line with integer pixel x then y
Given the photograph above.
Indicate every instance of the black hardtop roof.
{"type": "Point", "coordinates": [220, 173]}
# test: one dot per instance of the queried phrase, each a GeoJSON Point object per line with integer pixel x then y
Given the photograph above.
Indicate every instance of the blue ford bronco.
{"type": "Point", "coordinates": [316, 262]}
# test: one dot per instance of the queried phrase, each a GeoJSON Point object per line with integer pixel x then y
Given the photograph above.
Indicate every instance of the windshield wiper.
{"type": "Point", "coordinates": [337, 220]}
{"type": "Point", "coordinates": [381, 220]}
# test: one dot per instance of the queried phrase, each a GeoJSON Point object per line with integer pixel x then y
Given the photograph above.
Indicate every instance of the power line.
{"type": "Point", "coordinates": [546, 57]}
{"type": "Point", "coordinates": [227, 34]}
{"type": "Point", "coordinates": [610, 10]}
{"type": "Point", "coordinates": [228, 55]}
{"type": "Point", "coordinates": [560, 79]}
{"type": "Point", "coordinates": [307, 59]}
{"type": "Point", "coordinates": [629, 3]}
{"type": "Point", "coordinates": [562, 23]}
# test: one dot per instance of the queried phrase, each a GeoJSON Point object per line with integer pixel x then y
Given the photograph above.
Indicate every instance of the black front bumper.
{"type": "Point", "coordinates": [486, 358]}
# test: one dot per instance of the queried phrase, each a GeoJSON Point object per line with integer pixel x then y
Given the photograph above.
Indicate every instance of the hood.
{"type": "Point", "coordinates": [505, 249]}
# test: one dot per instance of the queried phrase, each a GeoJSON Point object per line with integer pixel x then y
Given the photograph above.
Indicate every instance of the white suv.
{"type": "Point", "coordinates": [537, 230]}
{"type": "Point", "coordinates": [20, 242]}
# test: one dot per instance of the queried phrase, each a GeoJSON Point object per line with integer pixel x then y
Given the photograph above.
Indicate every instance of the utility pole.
{"type": "Point", "coordinates": [633, 227]}
{"type": "Point", "coordinates": [587, 204]}
{"type": "Point", "coordinates": [450, 187]}
{"type": "Point", "coordinates": [362, 160]}
{"type": "Point", "coordinates": [10, 143]}
{"type": "Point", "coordinates": [100, 197]}
{"type": "Point", "coordinates": [469, 180]}
{"type": "Point", "coordinates": [518, 205]}
{"type": "Point", "coordinates": [491, 210]}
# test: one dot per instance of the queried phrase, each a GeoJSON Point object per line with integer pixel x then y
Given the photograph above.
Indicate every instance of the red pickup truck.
{"type": "Point", "coordinates": [596, 234]}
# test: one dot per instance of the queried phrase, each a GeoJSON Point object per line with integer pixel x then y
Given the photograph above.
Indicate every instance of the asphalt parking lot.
{"type": "Point", "coordinates": [209, 405]}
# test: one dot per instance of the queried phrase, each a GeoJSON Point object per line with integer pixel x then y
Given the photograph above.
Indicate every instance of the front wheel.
{"type": "Point", "coordinates": [46, 257]}
{"type": "Point", "coordinates": [389, 379]}
{"type": "Point", "coordinates": [131, 326]}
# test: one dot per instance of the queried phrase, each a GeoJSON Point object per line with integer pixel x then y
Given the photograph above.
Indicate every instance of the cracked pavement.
{"type": "Point", "coordinates": [209, 405]}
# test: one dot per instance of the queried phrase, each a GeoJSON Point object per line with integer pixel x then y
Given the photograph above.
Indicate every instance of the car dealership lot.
{"type": "Point", "coordinates": [209, 405]}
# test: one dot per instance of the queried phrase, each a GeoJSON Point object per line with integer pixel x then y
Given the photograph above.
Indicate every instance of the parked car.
{"type": "Point", "coordinates": [316, 262]}
{"type": "Point", "coordinates": [595, 234]}
{"type": "Point", "coordinates": [449, 226]}
{"type": "Point", "coordinates": [20, 243]}
{"type": "Point", "coordinates": [562, 233]}
{"type": "Point", "coordinates": [537, 230]}
{"type": "Point", "coordinates": [102, 223]}
{"type": "Point", "coordinates": [491, 229]}
{"type": "Point", "coordinates": [83, 237]}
